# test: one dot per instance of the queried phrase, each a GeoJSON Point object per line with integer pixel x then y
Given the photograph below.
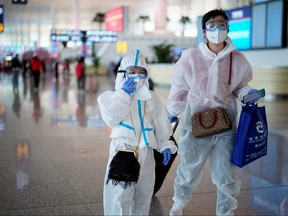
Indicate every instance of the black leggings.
{"type": "Point", "coordinates": [36, 76]}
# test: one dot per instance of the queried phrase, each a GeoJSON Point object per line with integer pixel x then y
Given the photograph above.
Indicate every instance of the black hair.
{"type": "Point", "coordinates": [212, 14]}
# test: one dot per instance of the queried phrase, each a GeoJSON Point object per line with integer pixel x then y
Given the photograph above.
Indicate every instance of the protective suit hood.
{"type": "Point", "coordinates": [135, 58]}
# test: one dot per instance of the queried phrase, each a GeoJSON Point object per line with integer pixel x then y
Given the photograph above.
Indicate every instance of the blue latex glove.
{"type": "Point", "coordinates": [173, 119]}
{"type": "Point", "coordinates": [167, 156]}
{"type": "Point", "coordinates": [129, 86]}
{"type": "Point", "coordinates": [250, 92]}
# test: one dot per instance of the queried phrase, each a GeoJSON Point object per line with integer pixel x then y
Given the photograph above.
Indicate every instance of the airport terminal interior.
{"type": "Point", "coordinates": [54, 145]}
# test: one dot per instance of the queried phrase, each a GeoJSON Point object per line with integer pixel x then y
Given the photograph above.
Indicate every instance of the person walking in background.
{"type": "Point", "coordinates": [80, 74]}
{"type": "Point", "coordinates": [24, 69]}
{"type": "Point", "coordinates": [36, 68]}
{"type": "Point", "coordinates": [15, 67]}
{"type": "Point", "coordinates": [200, 82]}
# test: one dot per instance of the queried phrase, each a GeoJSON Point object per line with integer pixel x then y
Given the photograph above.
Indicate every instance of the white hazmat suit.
{"type": "Point", "coordinates": [199, 82]}
{"type": "Point", "coordinates": [125, 114]}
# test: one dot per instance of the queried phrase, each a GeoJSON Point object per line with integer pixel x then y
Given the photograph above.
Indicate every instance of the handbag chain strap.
{"type": "Point", "coordinates": [229, 82]}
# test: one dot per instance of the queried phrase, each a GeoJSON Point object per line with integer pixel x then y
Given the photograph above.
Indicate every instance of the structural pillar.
{"type": "Point", "coordinates": [160, 14]}
{"type": "Point", "coordinates": [76, 14]}
{"type": "Point", "coordinates": [38, 45]}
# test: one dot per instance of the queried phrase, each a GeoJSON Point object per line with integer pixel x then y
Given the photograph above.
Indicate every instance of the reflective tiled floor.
{"type": "Point", "coordinates": [54, 149]}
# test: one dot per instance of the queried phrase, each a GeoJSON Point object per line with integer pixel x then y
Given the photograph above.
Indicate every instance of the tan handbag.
{"type": "Point", "coordinates": [212, 121]}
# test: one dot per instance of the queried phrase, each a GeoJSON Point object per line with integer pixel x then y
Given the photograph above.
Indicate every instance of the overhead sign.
{"type": "Point", "coordinates": [121, 47]}
{"type": "Point", "coordinates": [117, 19]}
{"type": "Point", "coordinates": [101, 36]}
{"type": "Point", "coordinates": [67, 35]}
{"type": "Point", "coordinates": [24, 2]}
{"type": "Point", "coordinates": [1, 18]}
{"type": "Point", "coordinates": [98, 36]}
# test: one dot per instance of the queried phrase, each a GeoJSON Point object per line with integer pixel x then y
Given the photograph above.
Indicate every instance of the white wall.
{"type": "Point", "coordinates": [267, 58]}
{"type": "Point", "coordinates": [257, 58]}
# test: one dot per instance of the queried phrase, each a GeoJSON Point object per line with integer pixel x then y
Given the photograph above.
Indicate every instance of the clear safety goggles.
{"type": "Point", "coordinates": [212, 25]}
{"type": "Point", "coordinates": [136, 72]}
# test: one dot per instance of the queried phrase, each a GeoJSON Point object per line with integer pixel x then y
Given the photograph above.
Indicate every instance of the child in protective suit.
{"type": "Point", "coordinates": [139, 123]}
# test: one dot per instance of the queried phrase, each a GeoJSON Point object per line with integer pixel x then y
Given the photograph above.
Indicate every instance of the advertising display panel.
{"type": "Point", "coordinates": [240, 27]}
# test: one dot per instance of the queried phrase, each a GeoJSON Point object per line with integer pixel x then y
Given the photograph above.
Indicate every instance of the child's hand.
{"type": "Point", "coordinates": [129, 86]}
{"type": "Point", "coordinates": [167, 156]}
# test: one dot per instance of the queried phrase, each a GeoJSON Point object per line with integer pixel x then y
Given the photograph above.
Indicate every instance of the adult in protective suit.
{"type": "Point", "coordinates": [199, 82]}
{"type": "Point", "coordinates": [139, 122]}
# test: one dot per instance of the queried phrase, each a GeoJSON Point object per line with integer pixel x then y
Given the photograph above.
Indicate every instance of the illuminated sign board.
{"type": "Point", "coordinates": [116, 19]}
{"type": "Point", "coordinates": [240, 27]}
{"type": "Point", "coordinates": [24, 2]}
{"type": "Point", "coordinates": [121, 47]}
{"type": "Point", "coordinates": [98, 36]}
{"type": "Point", "coordinates": [67, 35]}
{"type": "Point", "coordinates": [1, 18]}
{"type": "Point", "coordinates": [101, 36]}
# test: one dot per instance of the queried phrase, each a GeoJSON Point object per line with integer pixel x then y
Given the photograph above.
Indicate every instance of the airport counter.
{"type": "Point", "coordinates": [274, 80]}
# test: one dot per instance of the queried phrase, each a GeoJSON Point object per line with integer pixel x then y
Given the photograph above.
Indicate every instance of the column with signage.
{"type": "Point", "coordinates": [1, 18]}
{"type": "Point", "coordinates": [19, 2]}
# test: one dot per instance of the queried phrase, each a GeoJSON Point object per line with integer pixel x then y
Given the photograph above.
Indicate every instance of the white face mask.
{"type": "Point", "coordinates": [216, 36]}
{"type": "Point", "coordinates": [139, 82]}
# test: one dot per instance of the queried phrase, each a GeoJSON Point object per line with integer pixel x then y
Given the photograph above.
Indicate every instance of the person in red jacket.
{"type": "Point", "coordinates": [36, 68]}
{"type": "Point", "coordinates": [80, 74]}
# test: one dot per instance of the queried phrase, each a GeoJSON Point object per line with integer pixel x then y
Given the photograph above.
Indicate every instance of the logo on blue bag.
{"type": "Point", "coordinates": [259, 127]}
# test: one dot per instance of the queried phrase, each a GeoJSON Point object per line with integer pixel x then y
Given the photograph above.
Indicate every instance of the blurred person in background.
{"type": "Point", "coordinates": [80, 74]}
{"type": "Point", "coordinates": [15, 67]}
{"type": "Point", "coordinates": [24, 68]}
{"type": "Point", "coordinates": [37, 70]}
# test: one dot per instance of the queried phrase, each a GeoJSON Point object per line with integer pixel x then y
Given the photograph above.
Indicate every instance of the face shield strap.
{"type": "Point", "coordinates": [122, 71]}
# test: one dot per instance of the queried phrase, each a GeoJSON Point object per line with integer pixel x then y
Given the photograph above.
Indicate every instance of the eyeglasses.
{"type": "Point", "coordinates": [212, 25]}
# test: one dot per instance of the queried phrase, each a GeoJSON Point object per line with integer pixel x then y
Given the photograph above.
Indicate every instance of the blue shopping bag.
{"type": "Point", "coordinates": [252, 135]}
